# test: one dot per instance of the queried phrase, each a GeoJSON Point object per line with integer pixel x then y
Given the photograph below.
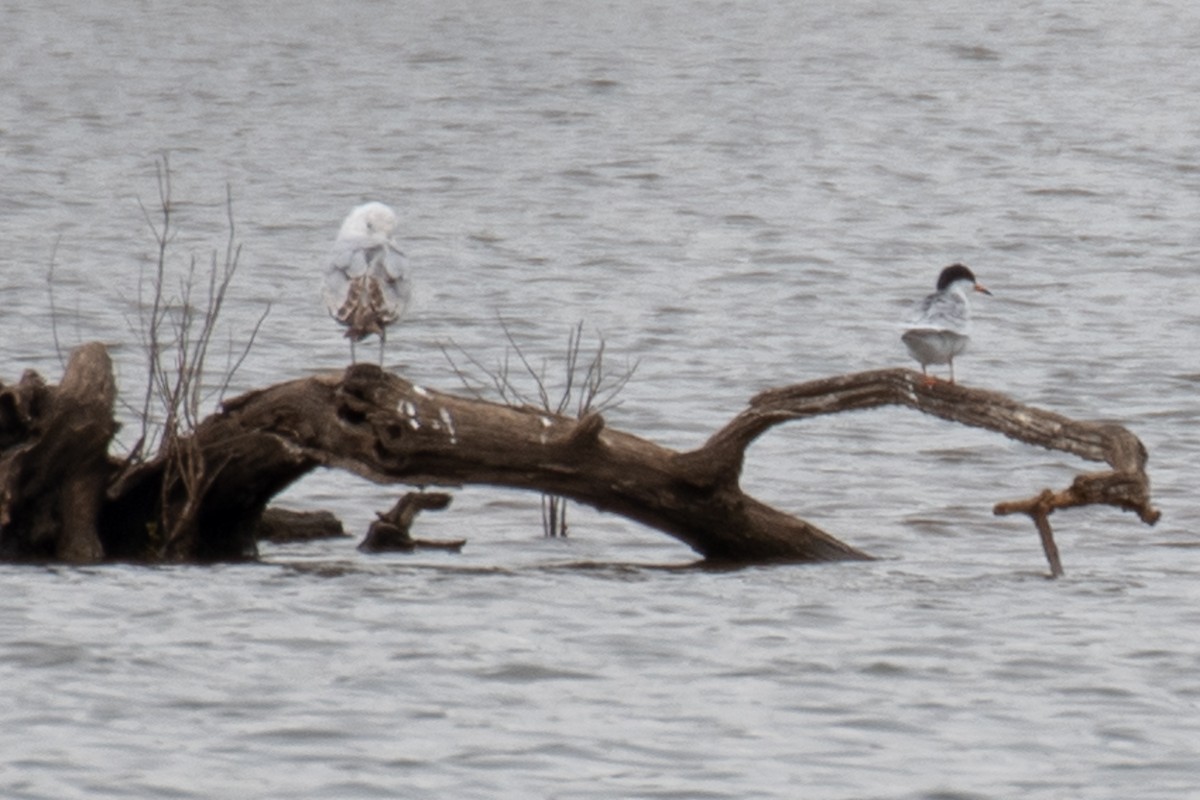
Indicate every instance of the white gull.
{"type": "Point", "coordinates": [367, 287]}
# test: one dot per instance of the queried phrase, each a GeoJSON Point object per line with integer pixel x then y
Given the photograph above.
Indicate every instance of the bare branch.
{"type": "Point", "coordinates": [539, 379]}
{"type": "Point", "coordinates": [177, 334]}
{"type": "Point", "coordinates": [469, 383]}
{"type": "Point", "coordinates": [589, 389]}
{"type": "Point", "coordinates": [231, 369]}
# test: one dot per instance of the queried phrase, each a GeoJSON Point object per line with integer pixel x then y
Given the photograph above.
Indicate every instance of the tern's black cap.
{"type": "Point", "coordinates": [952, 273]}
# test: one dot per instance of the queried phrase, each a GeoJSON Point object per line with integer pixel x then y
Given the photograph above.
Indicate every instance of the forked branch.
{"type": "Point", "coordinates": [1125, 486]}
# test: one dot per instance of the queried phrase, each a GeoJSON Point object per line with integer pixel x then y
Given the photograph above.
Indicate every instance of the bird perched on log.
{"type": "Point", "coordinates": [367, 287]}
{"type": "Point", "coordinates": [938, 328]}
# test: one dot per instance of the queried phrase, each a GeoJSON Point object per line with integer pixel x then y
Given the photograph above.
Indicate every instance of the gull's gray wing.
{"type": "Point", "coordinates": [359, 269]}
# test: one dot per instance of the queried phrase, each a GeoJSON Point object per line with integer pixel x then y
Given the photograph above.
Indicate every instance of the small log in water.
{"type": "Point", "coordinates": [391, 531]}
{"type": "Point", "coordinates": [390, 431]}
{"type": "Point", "coordinates": [280, 525]}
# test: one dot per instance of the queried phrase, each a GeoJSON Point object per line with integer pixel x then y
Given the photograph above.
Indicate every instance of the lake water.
{"type": "Point", "coordinates": [733, 195]}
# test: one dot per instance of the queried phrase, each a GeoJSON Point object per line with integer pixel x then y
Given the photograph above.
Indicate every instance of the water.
{"type": "Point", "coordinates": [733, 195]}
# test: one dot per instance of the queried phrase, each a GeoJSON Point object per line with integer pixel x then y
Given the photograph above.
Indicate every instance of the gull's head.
{"type": "Point", "coordinates": [372, 220]}
{"type": "Point", "coordinates": [961, 278]}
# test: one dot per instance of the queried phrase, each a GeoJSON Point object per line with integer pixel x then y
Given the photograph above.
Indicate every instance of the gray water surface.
{"type": "Point", "coordinates": [733, 196]}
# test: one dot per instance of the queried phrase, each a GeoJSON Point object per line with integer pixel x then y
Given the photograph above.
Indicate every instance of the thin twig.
{"type": "Point", "coordinates": [163, 235]}
{"type": "Point", "coordinates": [539, 379]}
{"type": "Point", "coordinates": [231, 370]}
{"type": "Point", "coordinates": [62, 362]}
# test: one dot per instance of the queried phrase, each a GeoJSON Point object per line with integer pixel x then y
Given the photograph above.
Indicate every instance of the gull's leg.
{"type": "Point", "coordinates": [382, 342]}
{"type": "Point", "coordinates": [352, 351]}
{"type": "Point", "coordinates": [950, 361]}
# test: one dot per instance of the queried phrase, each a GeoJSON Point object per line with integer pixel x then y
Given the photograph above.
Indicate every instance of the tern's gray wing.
{"type": "Point", "coordinates": [942, 311]}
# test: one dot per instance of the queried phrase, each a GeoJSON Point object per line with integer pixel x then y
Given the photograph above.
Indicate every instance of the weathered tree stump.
{"type": "Point", "coordinates": [53, 462]}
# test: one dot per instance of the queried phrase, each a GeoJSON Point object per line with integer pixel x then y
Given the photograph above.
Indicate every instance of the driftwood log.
{"type": "Point", "coordinates": [62, 496]}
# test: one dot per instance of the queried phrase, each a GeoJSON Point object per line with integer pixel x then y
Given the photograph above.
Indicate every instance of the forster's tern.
{"type": "Point", "coordinates": [939, 327]}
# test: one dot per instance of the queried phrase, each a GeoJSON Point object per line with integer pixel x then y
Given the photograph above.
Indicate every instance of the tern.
{"type": "Point", "coordinates": [939, 327]}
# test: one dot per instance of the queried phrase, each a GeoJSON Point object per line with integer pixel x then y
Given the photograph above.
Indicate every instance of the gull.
{"type": "Point", "coordinates": [938, 328]}
{"type": "Point", "coordinates": [367, 287]}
